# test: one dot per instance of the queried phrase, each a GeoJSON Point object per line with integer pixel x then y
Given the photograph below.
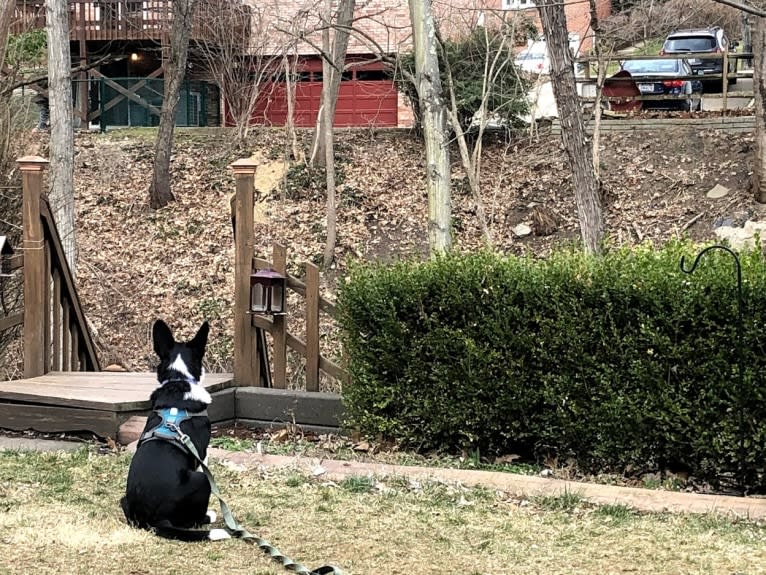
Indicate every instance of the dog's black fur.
{"type": "Point", "coordinates": [164, 491]}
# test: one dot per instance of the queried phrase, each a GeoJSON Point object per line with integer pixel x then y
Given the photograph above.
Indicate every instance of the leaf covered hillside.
{"type": "Point", "coordinates": [136, 265]}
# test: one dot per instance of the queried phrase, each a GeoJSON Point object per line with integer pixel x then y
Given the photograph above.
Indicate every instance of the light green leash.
{"type": "Point", "coordinates": [237, 530]}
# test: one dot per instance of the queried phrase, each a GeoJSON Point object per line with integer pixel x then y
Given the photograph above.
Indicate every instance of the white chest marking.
{"type": "Point", "coordinates": [198, 393]}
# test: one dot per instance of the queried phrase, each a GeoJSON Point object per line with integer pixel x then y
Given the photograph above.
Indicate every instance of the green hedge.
{"type": "Point", "coordinates": [616, 361]}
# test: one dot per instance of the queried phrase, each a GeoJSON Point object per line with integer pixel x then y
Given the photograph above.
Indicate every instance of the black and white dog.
{"type": "Point", "coordinates": [165, 491]}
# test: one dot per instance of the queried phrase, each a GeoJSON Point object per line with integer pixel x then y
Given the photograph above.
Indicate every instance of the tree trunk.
{"type": "Point", "coordinates": [61, 179]}
{"type": "Point", "coordinates": [758, 23]}
{"type": "Point", "coordinates": [160, 193]}
{"type": "Point", "coordinates": [332, 207]}
{"type": "Point", "coordinates": [747, 36]}
{"type": "Point", "coordinates": [434, 120]}
{"type": "Point", "coordinates": [759, 89]}
{"type": "Point", "coordinates": [584, 181]}
{"type": "Point", "coordinates": [600, 78]}
{"type": "Point", "coordinates": [6, 78]}
{"type": "Point", "coordinates": [470, 164]}
{"type": "Point", "coordinates": [292, 137]}
{"type": "Point", "coordinates": [6, 16]}
{"type": "Point", "coordinates": [331, 81]}
{"type": "Point", "coordinates": [471, 158]}
{"type": "Point", "coordinates": [325, 132]}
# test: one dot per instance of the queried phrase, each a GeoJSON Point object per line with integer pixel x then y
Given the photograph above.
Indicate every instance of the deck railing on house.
{"type": "Point", "coordinates": [109, 20]}
{"type": "Point", "coordinates": [55, 334]}
{"type": "Point", "coordinates": [248, 345]}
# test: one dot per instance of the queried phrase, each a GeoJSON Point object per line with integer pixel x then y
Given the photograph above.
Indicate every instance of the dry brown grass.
{"type": "Point", "coordinates": [60, 514]}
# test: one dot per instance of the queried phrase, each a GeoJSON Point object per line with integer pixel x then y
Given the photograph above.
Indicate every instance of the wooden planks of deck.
{"type": "Point", "coordinates": [97, 402]}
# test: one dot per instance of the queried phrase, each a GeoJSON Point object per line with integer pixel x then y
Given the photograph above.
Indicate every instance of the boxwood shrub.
{"type": "Point", "coordinates": [616, 361]}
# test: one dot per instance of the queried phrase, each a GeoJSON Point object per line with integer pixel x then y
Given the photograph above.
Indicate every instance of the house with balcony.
{"type": "Point", "coordinates": [368, 95]}
{"type": "Point", "coordinates": [125, 43]}
{"type": "Point", "coordinates": [128, 39]}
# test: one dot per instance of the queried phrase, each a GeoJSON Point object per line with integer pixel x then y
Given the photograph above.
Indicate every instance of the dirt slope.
{"type": "Point", "coordinates": [177, 263]}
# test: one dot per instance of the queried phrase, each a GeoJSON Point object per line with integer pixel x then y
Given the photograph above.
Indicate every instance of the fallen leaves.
{"type": "Point", "coordinates": [176, 263]}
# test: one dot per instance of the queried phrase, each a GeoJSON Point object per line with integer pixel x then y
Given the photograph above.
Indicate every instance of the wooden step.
{"type": "Point", "coordinates": [96, 402]}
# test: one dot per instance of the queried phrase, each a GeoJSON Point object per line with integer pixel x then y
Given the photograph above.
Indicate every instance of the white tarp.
{"type": "Point", "coordinates": [542, 102]}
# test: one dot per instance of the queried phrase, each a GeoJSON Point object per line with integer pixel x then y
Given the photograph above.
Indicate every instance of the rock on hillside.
{"type": "Point", "coordinates": [177, 263]}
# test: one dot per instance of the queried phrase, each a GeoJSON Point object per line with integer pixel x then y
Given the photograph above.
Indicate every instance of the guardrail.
{"type": "Point", "coordinates": [588, 80]}
{"type": "Point", "coordinates": [729, 124]}
{"type": "Point", "coordinates": [55, 333]}
{"type": "Point", "coordinates": [248, 345]}
{"type": "Point", "coordinates": [114, 20]}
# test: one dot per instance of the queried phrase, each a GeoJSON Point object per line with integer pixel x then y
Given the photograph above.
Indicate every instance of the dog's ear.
{"type": "Point", "coordinates": [163, 339]}
{"type": "Point", "coordinates": [200, 340]}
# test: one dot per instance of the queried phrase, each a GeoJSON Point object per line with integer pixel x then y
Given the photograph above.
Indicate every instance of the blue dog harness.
{"type": "Point", "coordinates": [169, 429]}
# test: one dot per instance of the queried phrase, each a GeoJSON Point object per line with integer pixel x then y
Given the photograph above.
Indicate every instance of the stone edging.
{"type": "Point", "coordinates": [637, 498]}
{"type": "Point", "coordinates": [527, 485]}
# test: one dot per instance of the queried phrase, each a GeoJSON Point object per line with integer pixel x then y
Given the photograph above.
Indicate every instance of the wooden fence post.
{"type": "Point", "coordinates": [34, 266]}
{"type": "Point", "coordinates": [725, 83]}
{"type": "Point", "coordinates": [312, 327]}
{"type": "Point", "coordinates": [279, 331]}
{"type": "Point", "coordinates": [246, 365]}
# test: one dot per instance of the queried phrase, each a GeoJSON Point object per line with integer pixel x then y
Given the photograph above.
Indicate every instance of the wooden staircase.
{"type": "Point", "coordinates": [62, 389]}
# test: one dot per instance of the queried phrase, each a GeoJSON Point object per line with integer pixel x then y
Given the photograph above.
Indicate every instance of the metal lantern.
{"type": "Point", "coordinates": [6, 251]}
{"type": "Point", "coordinates": [267, 292]}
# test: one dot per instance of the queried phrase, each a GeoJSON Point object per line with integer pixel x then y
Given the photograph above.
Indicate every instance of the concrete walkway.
{"type": "Point", "coordinates": [35, 444]}
{"type": "Point", "coordinates": [523, 485]}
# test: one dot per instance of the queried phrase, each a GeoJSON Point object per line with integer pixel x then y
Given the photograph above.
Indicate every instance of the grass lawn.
{"type": "Point", "coordinates": [59, 513]}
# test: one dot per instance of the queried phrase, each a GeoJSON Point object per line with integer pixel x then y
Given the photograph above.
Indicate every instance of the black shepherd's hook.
{"type": "Point", "coordinates": [740, 360]}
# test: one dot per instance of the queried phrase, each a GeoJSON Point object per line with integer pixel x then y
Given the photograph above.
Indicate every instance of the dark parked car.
{"type": "Point", "coordinates": [663, 78]}
{"type": "Point", "coordinates": [702, 40]}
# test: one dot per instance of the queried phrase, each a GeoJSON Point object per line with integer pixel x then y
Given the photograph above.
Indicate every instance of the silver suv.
{"type": "Point", "coordinates": [702, 40]}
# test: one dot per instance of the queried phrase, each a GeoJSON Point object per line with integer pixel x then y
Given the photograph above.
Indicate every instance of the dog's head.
{"type": "Point", "coordinates": [179, 360]}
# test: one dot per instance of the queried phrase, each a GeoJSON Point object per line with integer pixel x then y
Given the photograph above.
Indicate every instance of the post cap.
{"type": "Point", "coordinates": [244, 166]}
{"type": "Point", "coordinates": [6, 249]}
{"type": "Point", "coordinates": [32, 163]}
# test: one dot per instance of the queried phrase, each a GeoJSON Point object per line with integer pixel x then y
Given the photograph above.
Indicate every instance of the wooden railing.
{"type": "Point", "coordinates": [248, 346]}
{"type": "Point", "coordinates": [123, 19]}
{"type": "Point", "coordinates": [55, 334]}
{"type": "Point", "coordinates": [591, 64]}
{"type": "Point", "coordinates": [10, 263]}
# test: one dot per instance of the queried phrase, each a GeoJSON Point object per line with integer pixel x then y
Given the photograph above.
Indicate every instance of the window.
{"type": "Point", "coordinates": [691, 44]}
{"type": "Point", "coordinates": [371, 75]}
{"type": "Point", "coordinates": [518, 4]}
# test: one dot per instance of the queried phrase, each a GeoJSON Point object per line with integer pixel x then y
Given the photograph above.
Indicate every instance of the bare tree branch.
{"type": "Point", "coordinates": [322, 53]}
{"type": "Point", "coordinates": [44, 77]}
{"type": "Point", "coordinates": [240, 59]}
{"type": "Point", "coordinates": [744, 7]}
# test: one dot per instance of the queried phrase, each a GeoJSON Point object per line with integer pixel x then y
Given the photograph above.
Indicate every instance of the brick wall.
{"type": "Point", "coordinates": [386, 23]}
{"type": "Point", "coordinates": [578, 19]}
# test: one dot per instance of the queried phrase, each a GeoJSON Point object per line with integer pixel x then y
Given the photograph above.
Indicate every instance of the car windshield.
{"type": "Point", "coordinates": [651, 66]}
{"type": "Point", "coordinates": [690, 44]}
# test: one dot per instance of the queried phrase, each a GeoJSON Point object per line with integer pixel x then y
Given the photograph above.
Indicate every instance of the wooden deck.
{"type": "Point", "coordinates": [98, 402]}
